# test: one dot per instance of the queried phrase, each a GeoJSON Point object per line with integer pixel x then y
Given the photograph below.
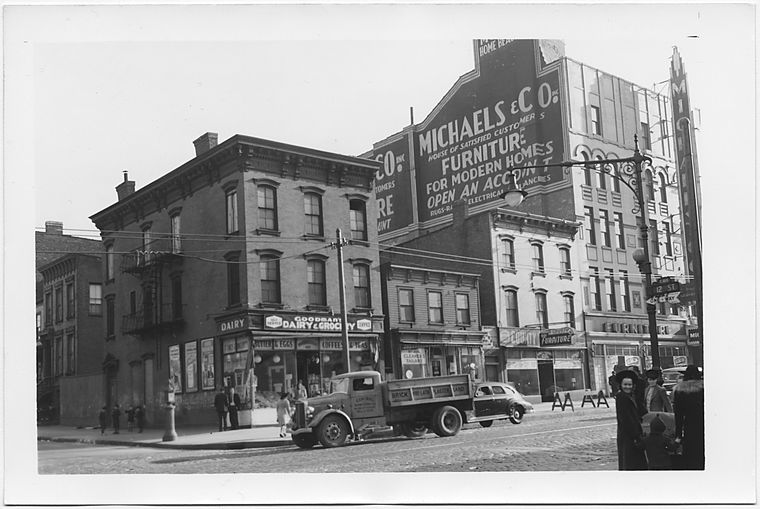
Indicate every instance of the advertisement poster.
{"type": "Point", "coordinates": [175, 368]}
{"type": "Point", "coordinates": [207, 363]}
{"type": "Point", "coordinates": [393, 185]}
{"type": "Point", "coordinates": [191, 366]}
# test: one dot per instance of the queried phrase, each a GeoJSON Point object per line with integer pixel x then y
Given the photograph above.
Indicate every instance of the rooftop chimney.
{"type": "Point", "coordinates": [125, 188]}
{"type": "Point", "coordinates": [205, 143]}
{"type": "Point", "coordinates": [54, 227]}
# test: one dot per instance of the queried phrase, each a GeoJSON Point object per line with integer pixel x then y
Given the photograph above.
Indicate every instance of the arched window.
{"type": "Point", "coordinates": [663, 188]}
{"type": "Point", "coordinates": [648, 186]}
{"type": "Point", "coordinates": [616, 178]}
{"type": "Point", "coordinates": [601, 177]}
{"type": "Point", "coordinates": [586, 171]}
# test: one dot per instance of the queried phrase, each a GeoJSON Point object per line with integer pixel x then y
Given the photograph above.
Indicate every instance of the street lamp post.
{"type": "Point", "coordinates": [631, 176]}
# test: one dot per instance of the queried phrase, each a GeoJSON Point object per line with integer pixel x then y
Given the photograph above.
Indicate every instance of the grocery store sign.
{"type": "Point", "coordinates": [316, 323]}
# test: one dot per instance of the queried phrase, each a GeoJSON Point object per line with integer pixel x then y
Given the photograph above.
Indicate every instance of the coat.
{"type": "Point", "coordinates": [656, 446]}
{"type": "Point", "coordinates": [220, 402]}
{"type": "Point", "coordinates": [283, 411]}
{"type": "Point", "coordinates": [629, 434]}
{"type": "Point", "coordinates": [689, 407]}
{"type": "Point", "coordinates": [659, 402]}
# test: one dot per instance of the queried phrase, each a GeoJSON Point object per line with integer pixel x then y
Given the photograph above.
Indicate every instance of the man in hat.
{"type": "Point", "coordinates": [655, 397]}
{"type": "Point", "coordinates": [689, 406]}
{"type": "Point", "coordinates": [629, 433]}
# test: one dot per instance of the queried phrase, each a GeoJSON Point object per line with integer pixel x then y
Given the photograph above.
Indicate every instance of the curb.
{"type": "Point", "coordinates": [171, 445]}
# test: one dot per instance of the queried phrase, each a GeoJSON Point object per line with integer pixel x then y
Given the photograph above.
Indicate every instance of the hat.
{"type": "Point", "coordinates": [626, 373]}
{"type": "Point", "coordinates": [692, 373]}
{"type": "Point", "coordinates": [657, 425]}
{"type": "Point", "coordinates": [653, 374]}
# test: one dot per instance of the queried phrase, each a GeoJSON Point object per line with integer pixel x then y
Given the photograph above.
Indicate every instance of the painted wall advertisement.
{"type": "Point", "coordinates": [207, 363]}
{"type": "Point", "coordinates": [191, 366]}
{"type": "Point", "coordinates": [393, 186]}
{"type": "Point", "coordinates": [175, 368]}
{"type": "Point", "coordinates": [506, 117]}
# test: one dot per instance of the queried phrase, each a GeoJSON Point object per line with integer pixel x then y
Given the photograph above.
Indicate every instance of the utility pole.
{"type": "Point", "coordinates": [339, 243]}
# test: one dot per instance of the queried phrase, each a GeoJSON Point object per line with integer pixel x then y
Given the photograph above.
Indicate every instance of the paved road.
{"type": "Point", "coordinates": [555, 442]}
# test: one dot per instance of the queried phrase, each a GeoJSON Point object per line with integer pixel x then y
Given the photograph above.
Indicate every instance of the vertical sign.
{"type": "Point", "coordinates": [393, 187]}
{"type": "Point", "coordinates": [175, 368]}
{"type": "Point", "coordinates": [207, 363]}
{"type": "Point", "coordinates": [191, 366]}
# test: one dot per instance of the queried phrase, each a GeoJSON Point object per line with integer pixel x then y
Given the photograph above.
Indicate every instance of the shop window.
{"type": "Point", "coordinates": [234, 361]}
{"type": "Point", "coordinates": [361, 286]}
{"type": "Point", "coordinates": [312, 203]}
{"type": "Point", "coordinates": [472, 362]}
{"type": "Point", "coordinates": [513, 316]}
{"type": "Point", "coordinates": [358, 216]}
{"type": "Point", "coordinates": [524, 380]}
{"type": "Point", "coordinates": [405, 305]}
{"type": "Point", "coordinates": [463, 309]}
{"type": "Point", "coordinates": [96, 299]}
{"type": "Point", "coordinates": [414, 362]}
{"type": "Point", "coordinates": [267, 203]}
{"type": "Point", "coordinates": [435, 307]}
{"type": "Point", "coordinates": [269, 269]}
{"type": "Point", "coordinates": [231, 210]}
{"type": "Point", "coordinates": [315, 277]}
{"type": "Point", "coordinates": [588, 220]}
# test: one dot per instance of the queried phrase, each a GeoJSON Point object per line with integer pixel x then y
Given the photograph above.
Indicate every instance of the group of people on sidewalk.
{"type": "Point", "coordinates": [676, 438]}
{"type": "Point", "coordinates": [227, 403]}
{"type": "Point", "coordinates": [135, 414]}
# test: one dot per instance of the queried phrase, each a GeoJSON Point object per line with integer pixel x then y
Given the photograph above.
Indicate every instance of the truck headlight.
{"type": "Point", "coordinates": [309, 412]}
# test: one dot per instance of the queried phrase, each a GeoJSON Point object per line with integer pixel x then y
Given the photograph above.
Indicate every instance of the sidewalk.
{"type": "Point", "coordinates": [263, 433]}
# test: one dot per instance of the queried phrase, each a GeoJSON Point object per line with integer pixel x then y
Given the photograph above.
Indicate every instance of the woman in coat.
{"type": "Point", "coordinates": [629, 433]}
{"type": "Point", "coordinates": [656, 397]}
{"type": "Point", "coordinates": [283, 413]}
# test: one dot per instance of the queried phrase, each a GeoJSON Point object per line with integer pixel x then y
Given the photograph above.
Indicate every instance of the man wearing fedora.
{"type": "Point", "coordinates": [689, 406]}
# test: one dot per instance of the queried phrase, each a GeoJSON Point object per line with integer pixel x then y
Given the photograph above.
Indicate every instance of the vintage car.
{"type": "Point", "coordinates": [496, 400]}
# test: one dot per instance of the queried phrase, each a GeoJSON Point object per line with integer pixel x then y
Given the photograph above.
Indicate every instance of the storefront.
{"type": "Point", "coordinates": [426, 354]}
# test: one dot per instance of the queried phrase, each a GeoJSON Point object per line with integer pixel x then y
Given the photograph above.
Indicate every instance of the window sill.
{"type": "Point", "coordinates": [357, 242]}
{"type": "Point", "coordinates": [509, 269]}
{"type": "Point", "coordinates": [267, 232]}
{"type": "Point", "coordinates": [566, 276]}
{"type": "Point", "coordinates": [318, 307]}
{"type": "Point", "coordinates": [437, 323]}
{"type": "Point", "coordinates": [360, 310]}
{"type": "Point", "coordinates": [270, 305]}
{"type": "Point", "coordinates": [309, 236]}
{"type": "Point", "coordinates": [237, 305]}
{"type": "Point", "coordinates": [539, 274]}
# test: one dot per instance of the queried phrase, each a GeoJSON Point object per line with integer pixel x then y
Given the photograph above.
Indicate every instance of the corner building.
{"type": "Point", "coordinates": [221, 273]}
{"type": "Point", "coordinates": [526, 104]}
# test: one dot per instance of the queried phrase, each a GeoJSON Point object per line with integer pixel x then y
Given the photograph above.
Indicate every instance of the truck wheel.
{"type": "Point", "coordinates": [413, 429]}
{"type": "Point", "coordinates": [332, 431]}
{"type": "Point", "coordinates": [516, 414]}
{"type": "Point", "coordinates": [447, 421]}
{"type": "Point", "coordinates": [486, 424]}
{"type": "Point", "coordinates": [304, 440]}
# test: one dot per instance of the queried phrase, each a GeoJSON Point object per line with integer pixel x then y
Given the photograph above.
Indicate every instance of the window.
{"type": "Point", "coordinates": [109, 262]}
{"type": "Point", "coordinates": [604, 227]}
{"type": "Point", "coordinates": [147, 238]}
{"type": "Point", "coordinates": [564, 262]}
{"type": "Point", "coordinates": [648, 186]}
{"type": "Point", "coordinates": [269, 269]}
{"type": "Point", "coordinates": [59, 304]}
{"type": "Point", "coordinates": [267, 199]}
{"type": "Point", "coordinates": [405, 305]}
{"type": "Point", "coordinates": [312, 205]}
{"type": "Point", "coordinates": [646, 142]}
{"type": "Point", "coordinates": [615, 179]}
{"type": "Point", "coordinates": [508, 253]}
{"type": "Point", "coordinates": [619, 234]}
{"type": "Point", "coordinates": [663, 188]}
{"type": "Point", "coordinates": [668, 245]}
{"type": "Point", "coordinates": [70, 366]}
{"type": "Point", "coordinates": [542, 315]}
{"type": "Point", "coordinates": [48, 308]}
{"type": "Point", "coordinates": [70, 301]}
{"type": "Point", "coordinates": [596, 124]}
{"type": "Point", "coordinates": [176, 297]}
{"type": "Point", "coordinates": [596, 297]}
{"type": "Point", "coordinates": [589, 225]}
{"type": "Point", "coordinates": [132, 302]}
{"type": "Point", "coordinates": [463, 309]}
{"type": "Point", "coordinates": [358, 215]}
{"type": "Point", "coordinates": [315, 276]}
{"type": "Point", "coordinates": [538, 257]}
{"type": "Point", "coordinates": [654, 237]}
{"type": "Point", "coordinates": [232, 210]}
{"type": "Point", "coordinates": [435, 307]}
{"type": "Point", "coordinates": [58, 347]}
{"type": "Point", "coordinates": [601, 177]}
{"type": "Point", "coordinates": [233, 279]}
{"type": "Point", "coordinates": [513, 317]}
{"type": "Point", "coordinates": [625, 291]}
{"type": "Point", "coordinates": [569, 310]}
{"type": "Point", "coordinates": [96, 299]}
{"type": "Point", "coordinates": [587, 170]}
{"type": "Point", "coordinates": [611, 299]}
{"type": "Point", "coordinates": [361, 286]}
{"type": "Point", "coordinates": [110, 317]}
{"type": "Point", "coordinates": [662, 308]}
{"type": "Point", "coordinates": [175, 234]}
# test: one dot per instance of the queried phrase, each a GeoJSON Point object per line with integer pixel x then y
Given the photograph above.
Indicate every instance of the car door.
{"type": "Point", "coordinates": [500, 400]}
{"type": "Point", "coordinates": [483, 401]}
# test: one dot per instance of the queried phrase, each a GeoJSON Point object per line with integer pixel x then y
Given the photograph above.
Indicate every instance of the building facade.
{"type": "Point", "coordinates": [223, 273]}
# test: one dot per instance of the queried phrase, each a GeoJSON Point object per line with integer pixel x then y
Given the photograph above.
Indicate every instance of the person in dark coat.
{"type": "Point", "coordinates": [655, 397]}
{"type": "Point", "coordinates": [234, 405]}
{"type": "Point", "coordinates": [658, 446]}
{"type": "Point", "coordinates": [639, 386]}
{"type": "Point", "coordinates": [614, 385]}
{"type": "Point", "coordinates": [130, 418]}
{"type": "Point", "coordinates": [140, 417]}
{"type": "Point", "coordinates": [629, 433]}
{"type": "Point", "coordinates": [689, 406]}
{"type": "Point", "coordinates": [115, 416]}
{"type": "Point", "coordinates": [102, 418]}
{"type": "Point", "coordinates": [221, 404]}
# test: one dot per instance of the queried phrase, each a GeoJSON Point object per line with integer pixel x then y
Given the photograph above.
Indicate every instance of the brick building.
{"type": "Point", "coordinates": [221, 273]}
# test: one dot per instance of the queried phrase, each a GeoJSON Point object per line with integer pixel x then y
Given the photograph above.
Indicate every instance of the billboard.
{"type": "Point", "coordinates": [509, 114]}
{"type": "Point", "coordinates": [393, 184]}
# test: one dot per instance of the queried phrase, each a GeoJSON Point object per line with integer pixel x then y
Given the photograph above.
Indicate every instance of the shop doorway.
{"type": "Point", "coordinates": [308, 372]}
{"type": "Point", "coordinates": [546, 379]}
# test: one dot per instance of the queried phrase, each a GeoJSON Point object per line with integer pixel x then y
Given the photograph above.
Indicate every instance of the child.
{"type": "Point", "coordinates": [658, 446]}
{"type": "Point", "coordinates": [102, 419]}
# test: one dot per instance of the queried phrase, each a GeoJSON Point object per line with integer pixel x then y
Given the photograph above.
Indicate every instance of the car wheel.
{"type": "Point", "coordinates": [447, 421]}
{"type": "Point", "coordinates": [333, 431]}
{"type": "Point", "coordinates": [486, 424]}
{"type": "Point", "coordinates": [516, 414]}
{"type": "Point", "coordinates": [413, 430]}
{"type": "Point", "coordinates": [304, 440]}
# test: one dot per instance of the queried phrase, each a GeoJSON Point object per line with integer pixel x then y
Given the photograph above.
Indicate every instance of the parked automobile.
{"type": "Point", "coordinates": [671, 377]}
{"type": "Point", "coordinates": [496, 400]}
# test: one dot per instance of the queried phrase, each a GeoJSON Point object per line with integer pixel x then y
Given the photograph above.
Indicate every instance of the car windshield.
{"type": "Point", "coordinates": [339, 385]}
{"type": "Point", "coordinates": [673, 376]}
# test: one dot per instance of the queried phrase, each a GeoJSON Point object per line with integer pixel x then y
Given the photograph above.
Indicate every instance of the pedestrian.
{"type": "Point", "coordinates": [689, 406]}
{"type": "Point", "coordinates": [655, 397]}
{"type": "Point", "coordinates": [614, 386]}
{"type": "Point", "coordinates": [639, 387]}
{"type": "Point", "coordinates": [658, 446]}
{"type": "Point", "coordinates": [115, 416]}
{"type": "Point", "coordinates": [102, 417]}
{"type": "Point", "coordinates": [283, 413]}
{"type": "Point", "coordinates": [221, 404]}
{"type": "Point", "coordinates": [629, 433]}
{"type": "Point", "coordinates": [140, 417]}
{"type": "Point", "coordinates": [302, 393]}
{"type": "Point", "coordinates": [234, 405]}
{"type": "Point", "coordinates": [130, 418]}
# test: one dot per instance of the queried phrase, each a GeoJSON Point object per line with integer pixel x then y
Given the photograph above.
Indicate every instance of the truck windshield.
{"type": "Point", "coordinates": [339, 385]}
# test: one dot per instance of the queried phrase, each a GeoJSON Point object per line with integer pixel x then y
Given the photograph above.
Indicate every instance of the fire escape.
{"type": "Point", "coordinates": [153, 312]}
